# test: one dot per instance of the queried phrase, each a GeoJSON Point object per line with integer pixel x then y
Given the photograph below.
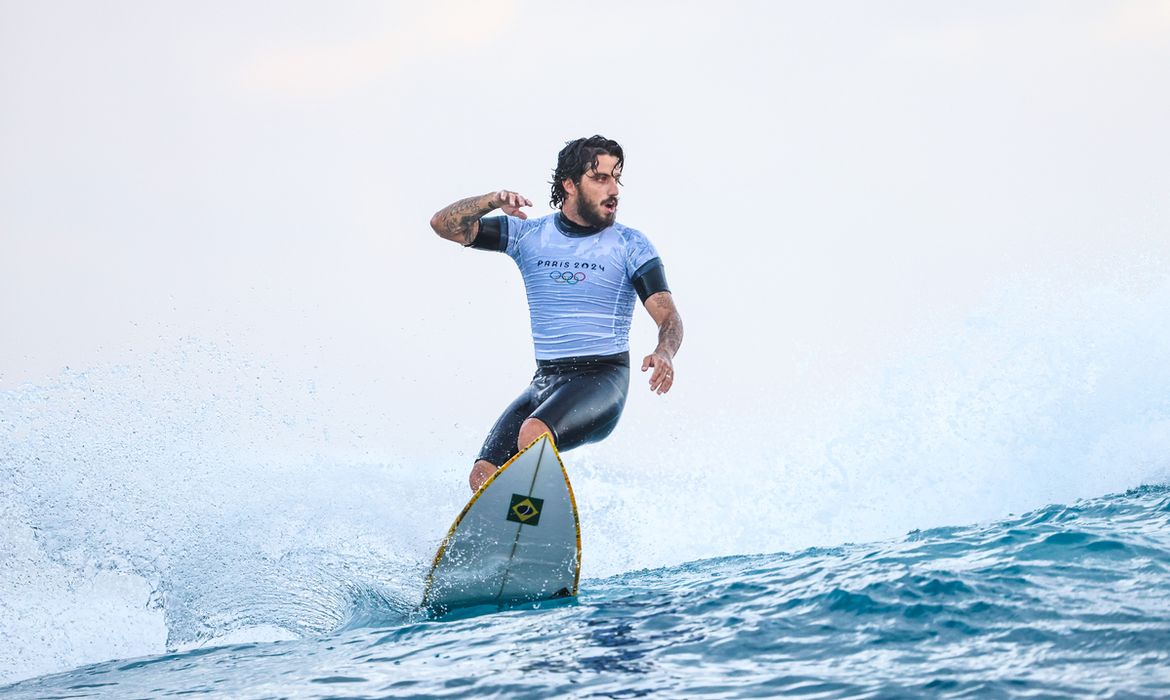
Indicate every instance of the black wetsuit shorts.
{"type": "Point", "coordinates": [579, 398]}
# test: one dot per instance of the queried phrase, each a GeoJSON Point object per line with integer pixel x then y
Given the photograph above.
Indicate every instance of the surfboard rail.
{"type": "Point", "coordinates": [485, 554]}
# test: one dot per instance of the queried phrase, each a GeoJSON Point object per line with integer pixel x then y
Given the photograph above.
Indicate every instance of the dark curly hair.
{"type": "Point", "coordinates": [576, 159]}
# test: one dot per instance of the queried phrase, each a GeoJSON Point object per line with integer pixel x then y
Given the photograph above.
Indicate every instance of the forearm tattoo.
{"type": "Point", "coordinates": [457, 221]}
{"type": "Point", "coordinates": [670, 331]}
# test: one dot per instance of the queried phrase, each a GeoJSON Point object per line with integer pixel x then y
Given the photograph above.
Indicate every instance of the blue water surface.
{"type": "Point", "coordinates": [1068, 600]}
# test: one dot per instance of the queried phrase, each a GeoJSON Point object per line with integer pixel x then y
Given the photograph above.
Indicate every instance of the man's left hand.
{"type": "Point", "coordinates": [663, 376]}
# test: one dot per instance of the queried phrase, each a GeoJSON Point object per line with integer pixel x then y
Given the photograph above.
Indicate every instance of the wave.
{"type": "Point", "coordinates": [1064, 600]}
{"type": "Point", "coordinates": [197, 497]}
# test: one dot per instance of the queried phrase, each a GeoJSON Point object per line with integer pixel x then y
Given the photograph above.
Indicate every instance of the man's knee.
{"type": "Point", "coordinates": [531, 429]}
{"type": "Point", "coordinates": [480, 473]}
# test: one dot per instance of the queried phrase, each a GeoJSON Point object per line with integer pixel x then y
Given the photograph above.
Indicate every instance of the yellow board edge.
{"type": "Point", "coordinates": [483, 487]}
{"type": "Point", "coordinates": [576, 518]}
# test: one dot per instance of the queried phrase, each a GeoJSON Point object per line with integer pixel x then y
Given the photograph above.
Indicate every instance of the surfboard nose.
{"type": "Point", "coordinates": [518, 539]}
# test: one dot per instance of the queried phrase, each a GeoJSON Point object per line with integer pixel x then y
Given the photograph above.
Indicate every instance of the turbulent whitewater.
{"type": "Point", "coordinates": [203, 522]}
{"type": "Point", "coordinates": [1065, 600]}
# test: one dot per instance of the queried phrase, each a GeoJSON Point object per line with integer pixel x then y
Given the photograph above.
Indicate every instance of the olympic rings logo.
{"type": "Point", "coordinates": [567, 277]}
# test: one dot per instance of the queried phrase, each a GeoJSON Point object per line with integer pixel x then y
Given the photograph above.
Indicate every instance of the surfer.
{"type": "Point", "coordinates": [581, 272]}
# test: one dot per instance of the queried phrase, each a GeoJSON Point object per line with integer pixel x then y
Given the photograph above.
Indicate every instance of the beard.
{"type": "Point", "coordinates": [594, 214]}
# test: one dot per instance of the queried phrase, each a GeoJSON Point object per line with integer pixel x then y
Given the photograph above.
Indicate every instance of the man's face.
{"type": "Point", "coordinates": [596, 196]}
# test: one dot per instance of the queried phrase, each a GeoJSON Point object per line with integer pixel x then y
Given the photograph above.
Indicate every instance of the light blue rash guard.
{"type": "Point", "coordinates": [581, 283]}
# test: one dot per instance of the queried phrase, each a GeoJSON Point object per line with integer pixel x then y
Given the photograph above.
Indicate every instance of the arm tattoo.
{"type": "Point", "coordinates": [458, 222]}
{"type": "Point", "coordinates": [670, 331]}
{"type": "Point", "coordinates": [670, 334]}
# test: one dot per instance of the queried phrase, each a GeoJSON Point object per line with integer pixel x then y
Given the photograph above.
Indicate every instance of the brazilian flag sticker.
{"type": "Point", "coordinates": [525, 509]}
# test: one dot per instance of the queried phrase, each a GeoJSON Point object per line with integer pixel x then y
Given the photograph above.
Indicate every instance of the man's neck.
{"type": "Point", "coordinates": [572, 225]}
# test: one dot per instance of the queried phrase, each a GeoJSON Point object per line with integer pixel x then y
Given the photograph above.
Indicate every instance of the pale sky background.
{"type": "Point", "coordinates": [823, 179]}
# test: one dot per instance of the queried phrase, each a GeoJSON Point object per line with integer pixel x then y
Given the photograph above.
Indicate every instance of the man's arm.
{"type": "Point", "coordinates": [459, 222]}
{"type": "Point", "coordinates": [670, 335]}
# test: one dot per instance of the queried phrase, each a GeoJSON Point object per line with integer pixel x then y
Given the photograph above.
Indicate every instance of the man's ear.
{"type": "Point", "coordinates": [569, 185]}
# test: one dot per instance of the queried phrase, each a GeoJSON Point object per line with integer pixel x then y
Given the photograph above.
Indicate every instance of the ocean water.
{"type": "Point", "coordinates": [1067, 600]}
{"type": "Point", "coordinates": [984, 515]}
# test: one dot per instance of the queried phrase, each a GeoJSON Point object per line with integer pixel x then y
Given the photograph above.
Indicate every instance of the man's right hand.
{"type": "Point", "coordinates": [510, 202]}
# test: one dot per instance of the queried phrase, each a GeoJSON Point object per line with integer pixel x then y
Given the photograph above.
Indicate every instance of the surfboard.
{"type": "Point", "coordinates": [517, 540]}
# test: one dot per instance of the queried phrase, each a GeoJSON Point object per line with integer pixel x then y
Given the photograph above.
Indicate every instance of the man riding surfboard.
{"type": "Point", "coordinates": [582, 271]}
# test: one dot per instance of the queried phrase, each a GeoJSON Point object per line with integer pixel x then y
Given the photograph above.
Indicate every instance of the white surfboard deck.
{"type": "Point", "coordinates": [518, 539]}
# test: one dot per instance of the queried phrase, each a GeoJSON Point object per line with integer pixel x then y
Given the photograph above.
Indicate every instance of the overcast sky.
{"type": "Point", "coordinates": [822, 179]}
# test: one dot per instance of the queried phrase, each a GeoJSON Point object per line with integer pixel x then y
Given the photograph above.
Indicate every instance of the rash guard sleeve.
{"type": "Point", "coordinates": [493, 234]}
{"type": "Point", "coordinates": [650, 279]}
{"type": "Point", "coordinates": [643, 266]}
